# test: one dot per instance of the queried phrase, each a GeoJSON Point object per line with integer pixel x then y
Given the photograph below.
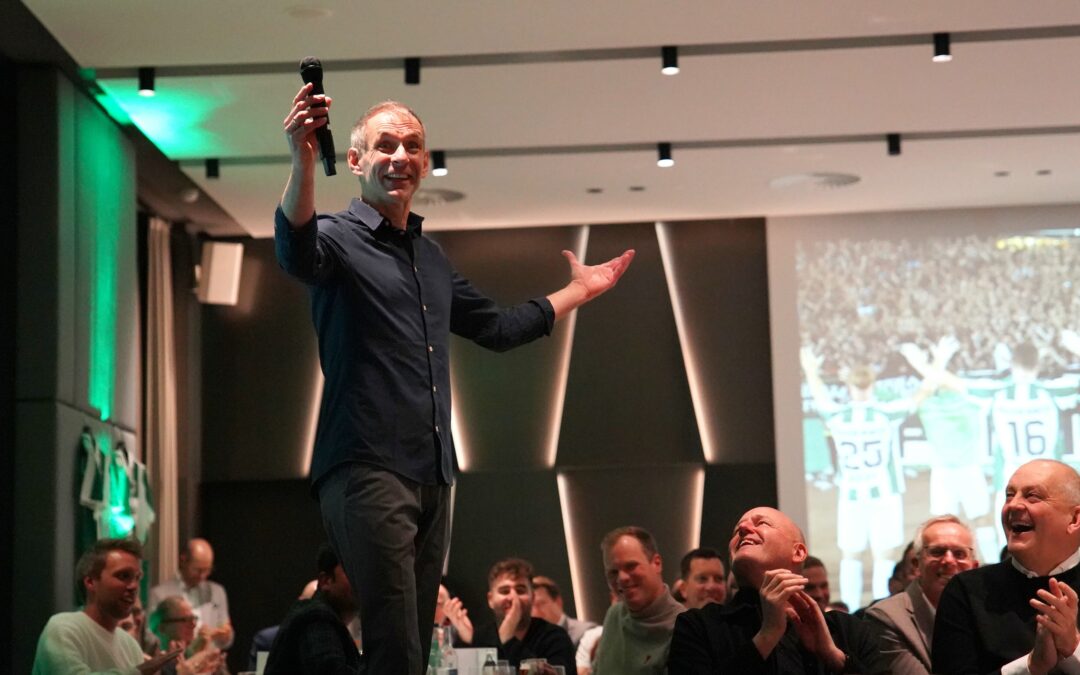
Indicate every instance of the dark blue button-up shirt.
{"type": "Point", "coordinates": [384, 302]}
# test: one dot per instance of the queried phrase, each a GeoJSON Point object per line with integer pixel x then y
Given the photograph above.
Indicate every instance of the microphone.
{"type": "Point", "coordinates": [311, 72]}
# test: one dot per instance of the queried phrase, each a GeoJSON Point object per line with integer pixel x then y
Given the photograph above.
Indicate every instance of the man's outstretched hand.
{"type": "Point", "coordinates": [587, 282]}
{"type": "Point", "coordinates": [596, 279]}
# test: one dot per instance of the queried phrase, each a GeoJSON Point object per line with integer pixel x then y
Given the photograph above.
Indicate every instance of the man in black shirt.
{"type": "Point", "coordinates": [517, 634]}
{"type": "Point", "coordinates": [384, 301]}
{"type": "Point", "coordinates": [313, 638]}
{"type": "Point", "coordinates": [771, 625]}
{"type": "Point", "coordinates": [1019, 616]}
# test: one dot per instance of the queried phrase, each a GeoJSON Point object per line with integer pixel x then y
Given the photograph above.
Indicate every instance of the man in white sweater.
{"type": "Point", "coordinates": [87, 641]}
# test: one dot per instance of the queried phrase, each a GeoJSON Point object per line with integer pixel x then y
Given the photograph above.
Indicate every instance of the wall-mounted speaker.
{"type": "Point", "coordinates": [219, 273]}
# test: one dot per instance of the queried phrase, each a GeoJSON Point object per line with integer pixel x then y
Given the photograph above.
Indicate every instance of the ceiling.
{"type": "Point", "coordinates": [550, 112]}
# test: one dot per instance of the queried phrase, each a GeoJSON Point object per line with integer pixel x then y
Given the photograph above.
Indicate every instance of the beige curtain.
{"type": "Point", "coordinates": [160, 430]}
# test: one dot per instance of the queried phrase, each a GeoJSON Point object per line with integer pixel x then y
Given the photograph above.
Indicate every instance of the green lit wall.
{"type": "Point", "coordinates": [101, 186]}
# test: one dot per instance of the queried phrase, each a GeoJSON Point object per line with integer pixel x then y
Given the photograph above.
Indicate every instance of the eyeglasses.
{"type": "Point", "coordinates": [939, 552]}
{"type": "Point", "coordinates": [181, 619]}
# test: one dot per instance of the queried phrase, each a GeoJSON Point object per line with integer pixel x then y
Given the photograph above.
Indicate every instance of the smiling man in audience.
{"type": "Point", "coordinates": [1019, 616]}
{"type": "Point", "coordinates": [89, 641]}
{"type": "Point", "coordinates": [944, 547]}
{"type": "Point", "coordinates": [771, 625]}
{"type": "Point", "coordinates": [516, 633]}
{"type": "Point", "coordinates": [704, 579]}
{"type": "Point", "coordinates": [637, 629]}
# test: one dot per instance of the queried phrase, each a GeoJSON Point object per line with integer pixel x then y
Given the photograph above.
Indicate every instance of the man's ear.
{"type": "Point", "coordinates": [798, 553]}
{"type": "Point", "coordinates": [1074, 522]}
{"type": "Point", "coordinates": [658, 562]}
{"type": "Point", "coordinates": [352, 159]}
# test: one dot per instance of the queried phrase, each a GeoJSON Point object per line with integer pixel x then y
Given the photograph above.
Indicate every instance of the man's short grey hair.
{"type": "Point", "coordinates": [946, 518]}
{"type": "Point", "coordinates": [357, 138]}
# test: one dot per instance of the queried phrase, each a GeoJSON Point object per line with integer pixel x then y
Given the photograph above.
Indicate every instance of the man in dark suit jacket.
{"type": "Point", "coordinates": [943, 547]}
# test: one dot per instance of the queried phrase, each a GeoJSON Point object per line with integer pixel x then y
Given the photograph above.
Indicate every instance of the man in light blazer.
{"type": "Point", "coordinates": [944, 547]}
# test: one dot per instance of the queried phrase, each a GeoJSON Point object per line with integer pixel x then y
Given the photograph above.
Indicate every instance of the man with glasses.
{"type": "Point", "coordinates": [1019, 616]}
{"type": "Point", "coordinates": [944, 547]}
{"type": "Point", "coordinates": [207, 598]}
{"type": "Point", "coordinates": [173, 622]}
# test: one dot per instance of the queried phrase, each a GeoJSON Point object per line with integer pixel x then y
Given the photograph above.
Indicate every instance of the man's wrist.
{"type": "Point", "coordinates": [766, 639]}
{"type": "Point", "coordinates": [837, 661]}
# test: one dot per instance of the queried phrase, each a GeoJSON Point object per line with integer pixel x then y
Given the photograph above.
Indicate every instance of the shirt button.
{"type": "Point", "coordinates": [430, 348]}
{"type": "Point", "coordinates": [436, 428]}
{"type": "Point", "coordinates": [414, 269]}
{"type": "Point", "coordinates": [424, 307]}
{"type": "Point", "coordinates": [434, 388]}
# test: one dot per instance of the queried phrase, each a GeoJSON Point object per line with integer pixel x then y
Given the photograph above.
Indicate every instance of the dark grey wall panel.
{"type": "Point", "coordinates": [505, 403]}
{"type": "Point", "coordinates": [260, 365]}
{"type": "Point", "coordinates": [9, 280]}
{"type": "Point", "coordinates": [730, 491]}
{"type": "Point", "coordinates": [502, 514]}
{"type": "Point", "coordinates": [719, 269]}
{"type": "Point", "coordinates": [266, 535]}
{"type": "Point", "coordinates": [627, 399]}
{"type": "Point", "coordinates": [43, 309]}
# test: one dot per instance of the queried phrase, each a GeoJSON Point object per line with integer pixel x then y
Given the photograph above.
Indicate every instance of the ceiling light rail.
{"type": "Point", "coordinates": [716, 144]}
{"type": "Point", "coordinates": [647, 53]}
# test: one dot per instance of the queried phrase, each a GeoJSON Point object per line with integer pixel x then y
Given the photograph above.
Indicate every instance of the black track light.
{"type": "Point", "coordinates": [669, 58]}
{"type": "Point", "coordinates": [893, 142]}
{"type": "Point", "coordinates": [412, 70]}
{"type": "Point", "coordinates": [942, 53]}
{"type": "Point", "coordinates": [146, 81]}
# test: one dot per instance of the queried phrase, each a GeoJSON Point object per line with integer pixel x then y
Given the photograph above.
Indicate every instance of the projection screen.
{"type": "Point", "coordinates": [918, 359]}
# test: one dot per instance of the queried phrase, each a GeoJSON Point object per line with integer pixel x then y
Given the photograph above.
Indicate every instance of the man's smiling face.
{"type": "Point", "coordinates": [393, 160]}
{"type": "Point", "coordinates": [764, 539]}
{"type": "Point", "coordinates": [1041, 515]}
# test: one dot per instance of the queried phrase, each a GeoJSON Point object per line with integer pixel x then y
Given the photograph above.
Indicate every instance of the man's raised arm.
{"type": "Point", "coordinates": [307, 115]}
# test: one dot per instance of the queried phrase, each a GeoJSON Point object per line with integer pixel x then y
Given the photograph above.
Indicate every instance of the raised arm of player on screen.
{"type": "Point", "coordinates": [811, 365]}
{"type": "Point", "coordinates": [934, 370]}
{"type": "Point", "coordinates": [1070, 339]}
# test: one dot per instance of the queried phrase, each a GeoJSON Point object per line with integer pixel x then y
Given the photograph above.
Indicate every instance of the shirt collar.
{"type": "Point", "coordinates": [373, 220]}
{"type": "Point", "coordinates": [1067, 564]}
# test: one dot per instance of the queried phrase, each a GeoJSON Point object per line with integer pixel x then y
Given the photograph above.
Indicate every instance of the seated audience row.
{"type": "Point", "coordinates": [771, 615]}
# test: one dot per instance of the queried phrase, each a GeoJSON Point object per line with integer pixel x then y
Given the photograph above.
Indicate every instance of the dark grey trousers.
{"type": "Point", "coordinates": [391, 536]}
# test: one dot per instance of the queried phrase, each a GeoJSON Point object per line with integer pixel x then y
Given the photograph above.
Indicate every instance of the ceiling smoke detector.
{"type": "Point", "coordinates": [436, 196]}
{"type": "Point", "coordinates": [818, 180]}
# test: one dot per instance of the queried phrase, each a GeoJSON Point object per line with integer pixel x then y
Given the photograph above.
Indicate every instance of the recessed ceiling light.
{"type": "Point", "coordinates": [637, 188]}
{"type": "Point", "coordinates": [436, 196]}
{"type": "Point", "coordinates": [1001, 174]}
{"type": "Point", "coordinates": [1042, 172]}
{"type": "Point", "coordinates": [308, 12]}
{"type": "Point", "coordinates": [819, 180]}
{"type": "Point", "coordinates": [594, 191]}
